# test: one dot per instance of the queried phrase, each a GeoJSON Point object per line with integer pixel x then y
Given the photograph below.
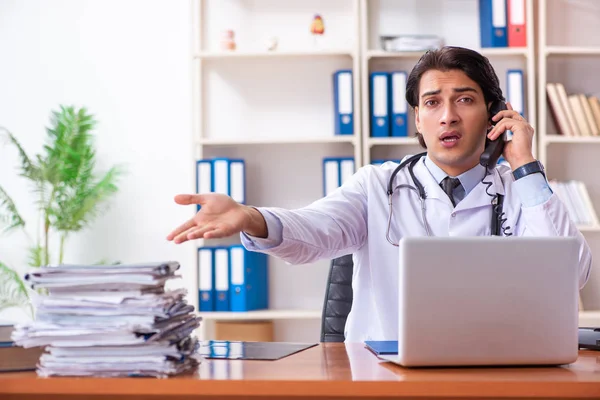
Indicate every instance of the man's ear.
{"type": "Point", "coordinates": [417, 119]}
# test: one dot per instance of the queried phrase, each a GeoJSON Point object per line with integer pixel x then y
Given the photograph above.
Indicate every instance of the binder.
{"type": "Point", "coordinates": [206, 280]}
{"type": "Point", "coordinates": [331, 175]}
{"type": "Point", "coordinates": [249, 286]}
{"type": "Point", "coordinates": [204, 179]}
{"type": "Point", "coordinates": [517, 26]}
{"type": "Point", "coordinates": [336, 171]}
{"type": "Point", "coordinates": [237, 180]}
{"type": "Point", "coordinates": [346, 169]}
{"type": "Point", "coordinates": [492, 23]}
{"type": "Point", "coordinates": [398, 104]}
{"type": "Point", "coordinates": [221, 263]}
{"type": "Point", "coordinates": [221, 175]}
{"type": "Point", "coordinates": [380, 119]}
{"type": "Point", "coordinates": [343, 100]}
{"type": "Point", "coordinates": [515, 92]}
{"type": "Point", "coordinates": [380, 347]}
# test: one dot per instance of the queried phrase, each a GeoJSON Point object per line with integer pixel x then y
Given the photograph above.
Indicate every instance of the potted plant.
{"type": "Point", "coordinates": [68, 191]}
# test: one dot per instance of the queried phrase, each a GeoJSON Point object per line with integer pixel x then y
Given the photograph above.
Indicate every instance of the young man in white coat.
{"type": "Point", "coordinates": [452, 91]}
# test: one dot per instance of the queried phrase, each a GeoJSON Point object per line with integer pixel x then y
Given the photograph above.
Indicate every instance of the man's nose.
{"type": "Point", "coordinates": [449, 115]}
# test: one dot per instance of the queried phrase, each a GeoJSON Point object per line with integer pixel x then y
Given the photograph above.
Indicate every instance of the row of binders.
{"type": "Point", "coordinates": [575, 114]}
{"type": "Point", "coordinates": [222, 175]}
{"type": "Point", "coordinates": [503, 23]}
{"type": "Point", "coordinates": [389, 108]}
{"type": "Point", "coordinates": [577, 200]}
{"type": "Point", "coordinates": [231, 278]}
{"type": "Point", "coordinates": [336, 171]}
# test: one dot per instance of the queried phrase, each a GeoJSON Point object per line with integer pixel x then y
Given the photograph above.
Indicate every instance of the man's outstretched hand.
{"type": "Point", "coordinates": [219, 216]}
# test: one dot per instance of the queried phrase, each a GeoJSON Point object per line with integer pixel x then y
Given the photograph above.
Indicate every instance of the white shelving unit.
{"type": "Point", "coordinates": [274, 109]}
{"type": "Point", "coordinates": [458, 24]}
{"type": "Point", "coordinates": [569, 53]}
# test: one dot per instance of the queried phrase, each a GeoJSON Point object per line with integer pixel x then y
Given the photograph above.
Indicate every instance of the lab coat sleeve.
{"type": "Point", "coordinates": [550, 218]}
{"type": "Point", "coordinates": [328, 228]}
{"type": "Point", "coordinates": [274, 232]}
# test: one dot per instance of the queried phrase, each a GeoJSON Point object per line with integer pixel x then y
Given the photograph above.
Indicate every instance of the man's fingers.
{"type": "Point", "coordinates": [187, 225]}
{"type": "Point", "coordinates": [183, 237]}
{"type": "Point", "coordinates": [186, 199]}
{"type": "Point", "coordinates": [198, 233]}
{"type": "Point", "coordinates": [501, 127]}
{"type": "Point", "coordinates": [508, 114]}
{"type": "Point", "coordinates": [215, 234]}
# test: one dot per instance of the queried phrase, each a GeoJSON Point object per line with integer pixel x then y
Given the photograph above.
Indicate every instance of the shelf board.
{"type": "Point", "coordinates": [572, 50]}
{"type": "Point", "coordinates": [277, 53]}
{"type": "Point", "coordinates": [392, 141]}
{"type": "Point", "coordinates": [589, 319]}
{"type": "Point", "coordinates": [499, 51]}
{"type": "Point", "coordinates": [283, 140]}
{"type": "Point", "coordinates": [261, 315]}
{"type": "Point", "coordinates": [571, 139]}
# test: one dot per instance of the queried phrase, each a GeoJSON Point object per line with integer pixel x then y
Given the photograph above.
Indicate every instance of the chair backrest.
{"type": "Point", "coordinates": [338, 299]}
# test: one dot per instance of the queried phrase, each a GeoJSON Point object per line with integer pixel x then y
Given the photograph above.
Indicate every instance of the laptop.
{"type": "Point", "coordinates": [487, 301]}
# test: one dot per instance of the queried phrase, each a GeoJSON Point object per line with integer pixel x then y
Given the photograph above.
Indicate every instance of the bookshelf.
{"type": "Point", "coordinates": [274, 109]}
{"type": "Point", "coordinates": [569, 53]}
{"type": "Point", "coordinates": [458, 25]}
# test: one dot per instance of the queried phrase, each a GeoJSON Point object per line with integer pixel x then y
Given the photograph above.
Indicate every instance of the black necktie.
{"type": "Point", "coordinates": [449, 184]}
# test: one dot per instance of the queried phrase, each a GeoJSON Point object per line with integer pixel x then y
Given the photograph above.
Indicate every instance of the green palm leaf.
{"type": "Point", "coordinates": [9, 216]}
{"type": "Point", "coordinates": [13, 292]}
{"type": "Point", "coordinates": [36, 256]}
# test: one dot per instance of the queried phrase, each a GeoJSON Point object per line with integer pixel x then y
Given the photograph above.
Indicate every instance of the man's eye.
{"type": "Point", "coordinates": [430, 102]}
{"type": "Point", "coordinates": [466, 100]}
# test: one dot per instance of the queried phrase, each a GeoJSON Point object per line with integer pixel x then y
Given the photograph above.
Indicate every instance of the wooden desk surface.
{"type": "Point", "coordinates": [328, 371]}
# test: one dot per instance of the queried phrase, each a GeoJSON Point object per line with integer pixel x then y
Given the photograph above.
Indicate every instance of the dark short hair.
{"type": "Point", "coordinates": [476, 66]}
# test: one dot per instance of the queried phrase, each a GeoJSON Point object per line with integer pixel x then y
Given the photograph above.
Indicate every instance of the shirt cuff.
{"type": "Point", "coordinates": [533, 189]}
{"type": "Point", "coordinates": [274, 229]}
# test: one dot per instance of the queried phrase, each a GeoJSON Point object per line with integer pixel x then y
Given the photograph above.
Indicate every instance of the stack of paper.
{"type": "Point", "coordinates": [411, 42]}
{"type": "Point", "coordinates": [111, 320]}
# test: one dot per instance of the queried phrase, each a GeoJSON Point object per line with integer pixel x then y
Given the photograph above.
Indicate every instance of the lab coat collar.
{"type": "Point", "coordinates": [476, 198]}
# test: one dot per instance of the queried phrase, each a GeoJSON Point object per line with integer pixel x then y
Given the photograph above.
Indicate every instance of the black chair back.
{"type": "Point", "coordinates": [338, 299]}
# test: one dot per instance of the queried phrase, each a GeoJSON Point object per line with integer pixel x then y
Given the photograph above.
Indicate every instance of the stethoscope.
{"type": "Point", "coordinates": [497, 200]}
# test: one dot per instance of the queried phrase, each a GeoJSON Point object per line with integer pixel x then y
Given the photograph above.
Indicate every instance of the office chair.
{"type": "Point", "coordinates": [338, 299]}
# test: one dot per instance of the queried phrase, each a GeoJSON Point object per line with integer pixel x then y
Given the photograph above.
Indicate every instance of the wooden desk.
{"type": "Point", "coordinates": [327, 371]}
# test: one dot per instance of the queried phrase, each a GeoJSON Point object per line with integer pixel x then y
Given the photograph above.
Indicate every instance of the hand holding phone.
{"type": "Point", "coordinates": [493, 148]}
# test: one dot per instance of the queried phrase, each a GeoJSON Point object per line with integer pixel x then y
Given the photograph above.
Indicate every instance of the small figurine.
{"type": "Point", "coordinates": [317, 27]}
{"type": "Point", "coordinates": [272, 44]}
{"type": "Point", "coordinates": [228, 41]}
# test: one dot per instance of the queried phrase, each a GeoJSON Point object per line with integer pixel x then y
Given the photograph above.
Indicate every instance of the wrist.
{"type": "Point", "coordinates": [255, 224]}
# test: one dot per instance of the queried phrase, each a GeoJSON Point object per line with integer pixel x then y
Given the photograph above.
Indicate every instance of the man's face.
{"type": "Point", "coordinates": [453, 118]}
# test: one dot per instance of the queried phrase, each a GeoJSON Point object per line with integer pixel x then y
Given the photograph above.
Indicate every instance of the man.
{"type": "Point", "coordinates": [451, 91]}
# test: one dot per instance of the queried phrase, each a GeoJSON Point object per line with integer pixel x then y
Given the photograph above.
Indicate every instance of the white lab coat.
{"type": "Point", "coordinates": [354, 219]}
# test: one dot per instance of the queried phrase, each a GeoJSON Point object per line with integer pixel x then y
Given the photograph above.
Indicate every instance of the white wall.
{"type": "Point", "coordinates": [129, 63]}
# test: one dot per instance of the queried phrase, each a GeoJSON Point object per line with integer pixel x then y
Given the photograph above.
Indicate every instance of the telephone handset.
{"type": "Point", "coordinates": [493, 148]}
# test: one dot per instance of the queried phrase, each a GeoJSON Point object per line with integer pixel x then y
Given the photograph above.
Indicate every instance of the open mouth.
{"type": "Point", "coordinates": [450, 139]}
